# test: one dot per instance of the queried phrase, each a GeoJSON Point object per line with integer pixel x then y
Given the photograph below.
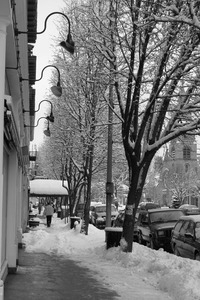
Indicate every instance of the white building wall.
{"type": "Point", "coordinates": [19, 206]}
{"type": "Point", "coordinates": [11, 242]}
{"type": "Point", "coordinates": [3, 25]}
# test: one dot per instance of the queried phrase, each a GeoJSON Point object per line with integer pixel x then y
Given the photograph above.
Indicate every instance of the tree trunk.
{"type": "Point", "coordinates": [137, 180]}
{"type": "Point", "coordinates": [133, 200]}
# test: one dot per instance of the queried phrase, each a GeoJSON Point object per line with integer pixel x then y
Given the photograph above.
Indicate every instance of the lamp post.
{"type": "Point", "coordinates": [47, 131]}
{"type": "Point", "coordinates": [109, 183]}
{"type": "Point", "coordinates": [68, 45]}
{"type": "Point", "coordinates": [56, 90]}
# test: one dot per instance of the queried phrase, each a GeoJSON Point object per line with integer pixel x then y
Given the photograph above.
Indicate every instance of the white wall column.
{"type": "Point", "coordinates": [3, 25]}
{"type": "Point", "coordinates": [12, 242]}
{"type": "Point", "coordinates": [19, 206]}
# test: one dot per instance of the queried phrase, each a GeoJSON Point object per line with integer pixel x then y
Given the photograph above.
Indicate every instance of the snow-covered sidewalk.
{"type": "Point", "coordinates": [144, 271]}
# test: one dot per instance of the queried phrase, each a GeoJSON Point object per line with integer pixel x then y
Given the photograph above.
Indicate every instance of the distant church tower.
{"type": "Point", "coordinates": [182, 155]}
{"type": "Point", "coordinates": [180, 159]}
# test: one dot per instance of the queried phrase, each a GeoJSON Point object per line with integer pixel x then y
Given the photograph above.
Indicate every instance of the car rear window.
{"type": "Point", "coordinates": [178, 225]}
{"type": "Point", "coordinates": [197, 231]}
{"type": "Point", "coordinates": [147, 206]}
{"type": "Point", "coordinates": [184, 227]}
{"type": "Point", "coordinates": [165, 216]}
{"type": "Point", "coordinates": [100, 208]}
{"type": "Point", "coordinates": [103, 208]}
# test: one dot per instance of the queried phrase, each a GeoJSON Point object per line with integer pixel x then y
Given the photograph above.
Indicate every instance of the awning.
{"type": "Point", "coordinates": [47, 187]}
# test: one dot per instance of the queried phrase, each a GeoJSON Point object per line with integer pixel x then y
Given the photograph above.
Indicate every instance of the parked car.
{"type": "Point", "coordinates": [190, 209]}
{"type": "Point", "coordinates": [155, 226]}
{"type": "Point", "coordinates": [98, 215]}
{"type": "Point", "coordinates": [185, 239]}
{"type": "Point", "coordinates": [148, 205]}
{"type": "Point", "coordinates": [119, 221]}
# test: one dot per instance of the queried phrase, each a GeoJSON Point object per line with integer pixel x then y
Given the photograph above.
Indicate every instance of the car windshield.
{"type": "Point", "coordinates": [103, 208]}
{"type": "Point", "coordinates": [165, 216]}
{"type": "Point", "coordinates": [100, 208]}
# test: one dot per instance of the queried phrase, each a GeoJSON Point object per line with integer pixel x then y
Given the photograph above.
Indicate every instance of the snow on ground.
{"type": "Point", "coordinates": [179, 277]}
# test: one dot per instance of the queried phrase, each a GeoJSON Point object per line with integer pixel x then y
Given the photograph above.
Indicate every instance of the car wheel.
{"type": "Point", "coordinates": [176, 252]}
{"type": "Point", "coordinates": [140, 239]}
{"type": "Point", "coordinates": [197, 256]}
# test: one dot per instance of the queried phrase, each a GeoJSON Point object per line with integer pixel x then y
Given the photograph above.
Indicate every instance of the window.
{"type": "Point", "coordinates": [184, 227]}
{"type": "Point", "coordinates": [186, 152]}
{"type": "Point", "coordinates": [173, 152]}
{"type": "Point", "coordinates": [178, 225]}
{"type": "Point", "coordinates": [197, 231]}
{"type": "Point", "coordinates": [190, 228]}
{"type": "Point", "coordinates": [144, 218]}
{"type": "Point", "coordinates": [165, 216]}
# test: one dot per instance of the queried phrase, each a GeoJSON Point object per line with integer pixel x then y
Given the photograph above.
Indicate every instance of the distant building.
{"type": "Point", "coordinates": [179, 179]}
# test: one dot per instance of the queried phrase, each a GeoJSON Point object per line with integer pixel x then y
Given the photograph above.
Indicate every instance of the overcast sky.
{"type": "Point", "coordinates": [44, 52]}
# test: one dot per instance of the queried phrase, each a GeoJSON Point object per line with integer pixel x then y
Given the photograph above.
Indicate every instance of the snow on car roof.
{"type": "Point", "coordinates": [195, 218]}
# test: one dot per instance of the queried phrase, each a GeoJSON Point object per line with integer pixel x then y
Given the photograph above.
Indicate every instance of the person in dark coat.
{"type": "Point", "coordinates": [48, 212]}
{"type": "Point", "coordinates": [39, 208]}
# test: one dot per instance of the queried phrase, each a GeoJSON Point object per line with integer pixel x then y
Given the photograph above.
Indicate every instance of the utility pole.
{"type": "Point", "coordinates": [109, 183]}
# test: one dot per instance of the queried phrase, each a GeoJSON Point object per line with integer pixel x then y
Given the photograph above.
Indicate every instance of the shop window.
{"type": "Point", "coordinates": [173, 152]}
{"type": "Point", "coordinates": [186, 152]}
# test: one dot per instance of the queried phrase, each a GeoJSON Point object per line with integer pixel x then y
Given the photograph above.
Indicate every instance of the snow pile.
{"type": "Point", "coordinates": [179, 277]}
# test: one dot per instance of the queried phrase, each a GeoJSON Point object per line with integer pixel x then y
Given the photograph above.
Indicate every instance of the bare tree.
{"type": "Point", "coordinates": [182, 185]}
{"type": "Point", "coordinates": [156, 77]}
{"type": "Point", "coordinates": [151, 51]}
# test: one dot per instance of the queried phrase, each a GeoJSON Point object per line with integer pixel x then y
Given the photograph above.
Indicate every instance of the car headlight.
{"type": "Point", "coordinates": [161, 233]}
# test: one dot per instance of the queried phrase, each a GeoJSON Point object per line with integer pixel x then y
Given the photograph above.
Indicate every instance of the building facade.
{"type": "Point", "coordinates": [180, 174]}
{"type": "Point", "coordinates": [16, 64]}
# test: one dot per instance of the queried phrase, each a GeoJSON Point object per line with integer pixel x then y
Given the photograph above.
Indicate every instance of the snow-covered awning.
{"type": "Point", "coordinates": [47, 187]}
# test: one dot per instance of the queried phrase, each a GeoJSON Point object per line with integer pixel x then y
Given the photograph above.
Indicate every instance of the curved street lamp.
{"type": "Point", "coordinates": [47, 131]}
{"type": "Point", "coordinates": [56, 89]}
{"type": "Point", "coordinates": [50, 117]}
{"type": "Point", "coordinates": [68, 45]}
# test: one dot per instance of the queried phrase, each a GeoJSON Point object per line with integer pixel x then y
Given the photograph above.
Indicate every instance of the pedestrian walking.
{"type": "Point", "coordinates": [39, 208]}
{"type": "Point", "coordinates": [48, 212]}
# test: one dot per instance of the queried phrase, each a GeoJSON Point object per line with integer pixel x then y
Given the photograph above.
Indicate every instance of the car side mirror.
{"type": "Point", "coordinates": [189, 235]}
{"type": "Point", "coordinates": [144, 222]}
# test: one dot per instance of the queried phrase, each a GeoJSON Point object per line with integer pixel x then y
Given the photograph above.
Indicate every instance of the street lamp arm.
{"type": "Point", "coordinates": [46, 118]}
{"type": "Point", "coordinates": [41, 103]}
{"type": "Point", "coordinates": [52, 66]}
{"type": "Point", "coordinates": [68, 45]}
{"type": "Point", "coordinates": [45, 24]}
{"type": "Point", "coordinates": [39, 106]}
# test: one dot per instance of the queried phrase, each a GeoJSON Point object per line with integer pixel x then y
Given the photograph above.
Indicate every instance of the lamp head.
{"type": "Point", "coordinates": [57, 90]}
{"type": "Point", "coordinates": [47, 132]}
{"type": "Point", "coordinates": [50, 118]}
{"type": "Point", "coordinates": [68, 45]}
